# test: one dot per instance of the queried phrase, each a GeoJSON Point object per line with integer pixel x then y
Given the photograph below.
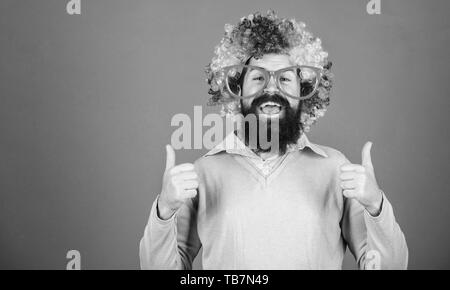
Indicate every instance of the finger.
{"type": "Point", "coordinates": [349, 193]}
{"type": "Point", "coordinates": [349, 184]}
{"type": "Point", "coordinates": [190, 184]}
{"type": "Point", "coordinates": [353, 167]}
{"type": "Point", "coordinates": [187, 175]}
{"type": "Point", "coordinates": [182, 167]}
{"type": "Point", "coordinates": [365, 154]}
{"type": "Point", "coordinates": [348, 175]}
{"type": "Point", "coordinates": [170, 157]}
{"type": "Point", "coordinates": [190, 193]}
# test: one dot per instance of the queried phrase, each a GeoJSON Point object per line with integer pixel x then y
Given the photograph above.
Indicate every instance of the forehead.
{"type": "Point", "coordinates": [272, 61]}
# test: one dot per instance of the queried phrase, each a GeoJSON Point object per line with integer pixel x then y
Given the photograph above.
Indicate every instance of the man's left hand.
{"type": "Point", "coordinates": [358, 182]}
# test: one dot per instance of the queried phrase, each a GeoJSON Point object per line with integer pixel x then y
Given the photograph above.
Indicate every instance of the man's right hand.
{"type": "Point", "coordinates": [180, 183]}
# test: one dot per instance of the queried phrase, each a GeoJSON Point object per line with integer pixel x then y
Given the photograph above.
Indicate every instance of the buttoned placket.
{"type": "Point", "coordinates": [266, 166]}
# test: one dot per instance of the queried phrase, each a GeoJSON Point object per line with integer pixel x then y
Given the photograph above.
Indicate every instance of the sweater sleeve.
{"type": "Point", "coordinates": [375, 242]}
{"type": "Point", "coordinates": [172, 243]}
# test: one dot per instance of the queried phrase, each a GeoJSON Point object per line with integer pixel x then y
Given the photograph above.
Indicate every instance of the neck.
{"type": "Point", "coordinates": [267, 155]}
{"type": "Point", "coordinates": [264, 155]}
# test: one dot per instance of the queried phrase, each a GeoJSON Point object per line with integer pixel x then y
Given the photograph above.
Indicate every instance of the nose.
{"type": "Point", "coordinates": [271, 86]}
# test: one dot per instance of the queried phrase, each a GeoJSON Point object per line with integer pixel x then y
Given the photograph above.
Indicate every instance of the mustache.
{"type": "Point", "coordinates": [289, 129]}
{"type": "Point", "coordinates": [276, 98]}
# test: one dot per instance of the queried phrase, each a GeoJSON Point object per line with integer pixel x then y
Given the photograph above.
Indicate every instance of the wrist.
{"type": "Point", "coordinates": [375, 208]}
{"type": "Point", "coordinates": [163, 212]}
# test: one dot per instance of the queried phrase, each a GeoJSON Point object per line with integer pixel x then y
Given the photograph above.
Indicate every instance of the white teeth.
{"type": "Point", "coordinates": [270, 108]}
{"type": "Point", "coordinates": [270, 104]}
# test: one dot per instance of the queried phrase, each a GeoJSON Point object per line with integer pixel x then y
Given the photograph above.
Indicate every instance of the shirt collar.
{"type": "Point", "coordinates": [234, 145]}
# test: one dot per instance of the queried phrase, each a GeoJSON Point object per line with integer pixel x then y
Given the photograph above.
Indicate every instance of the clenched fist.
{"type": "Point", "coordinates": [180, 183]}
{"type": "Point", "coordinates": [358, 182]}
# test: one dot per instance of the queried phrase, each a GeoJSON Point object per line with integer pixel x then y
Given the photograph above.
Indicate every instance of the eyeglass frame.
{"type": "Point", "coordinates": [275, 75]}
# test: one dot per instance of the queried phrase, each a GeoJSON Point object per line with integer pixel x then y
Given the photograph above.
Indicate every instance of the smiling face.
{"type": "Point", "coordinates": [272, 106]}
{"type": "Point", "coordinates": [252, 82]}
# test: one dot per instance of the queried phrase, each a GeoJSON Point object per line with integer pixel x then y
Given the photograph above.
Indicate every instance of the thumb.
{"type": "Point", "coordinates": [366, 158]}
{"type": "Point", "coordinates": [170, 157]}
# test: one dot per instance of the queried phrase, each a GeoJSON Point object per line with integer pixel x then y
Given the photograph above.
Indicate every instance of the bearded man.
{"type": "Point", "coordinates": [296, 205]}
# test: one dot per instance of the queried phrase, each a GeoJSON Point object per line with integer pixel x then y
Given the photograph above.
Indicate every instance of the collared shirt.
{"type": "Point", "coordinates": [232, 144]}
{"type": "Point", "coordinates": [292, 216]}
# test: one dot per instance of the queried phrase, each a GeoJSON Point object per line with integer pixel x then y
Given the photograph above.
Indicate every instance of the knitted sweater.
{"type": "Point", "coordinates": [292, 216]}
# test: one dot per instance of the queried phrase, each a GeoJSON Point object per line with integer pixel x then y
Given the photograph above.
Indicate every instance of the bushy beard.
{"type": "Point", "coordinates": [289, 125]}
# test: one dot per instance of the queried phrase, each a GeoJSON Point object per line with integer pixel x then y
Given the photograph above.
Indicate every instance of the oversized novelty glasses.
{"type": "Point", "coordinates": [247, 81]}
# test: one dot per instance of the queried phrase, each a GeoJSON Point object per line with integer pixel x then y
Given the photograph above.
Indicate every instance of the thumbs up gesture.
{"type": "Point", "coordinates": [180, 182]}
{"type": "Point", "coordinates": [358, 182]}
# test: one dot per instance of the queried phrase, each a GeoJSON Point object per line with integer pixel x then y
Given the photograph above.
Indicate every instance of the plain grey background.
{"type": "Point", "coordinates": [86, 104]}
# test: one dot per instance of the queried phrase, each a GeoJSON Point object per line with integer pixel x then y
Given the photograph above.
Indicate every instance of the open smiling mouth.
{"type": "Point", "coordinates": [270, 108]}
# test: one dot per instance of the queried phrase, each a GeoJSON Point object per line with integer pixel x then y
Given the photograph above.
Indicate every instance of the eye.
{"type": "Point", "coordinates": [260, 78]}
{"type": "Point", "coordinates": [285, 79]}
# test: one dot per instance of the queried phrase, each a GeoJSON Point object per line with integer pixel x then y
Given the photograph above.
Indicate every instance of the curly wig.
{"type": "Point", "coordinates": [256, 35]}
